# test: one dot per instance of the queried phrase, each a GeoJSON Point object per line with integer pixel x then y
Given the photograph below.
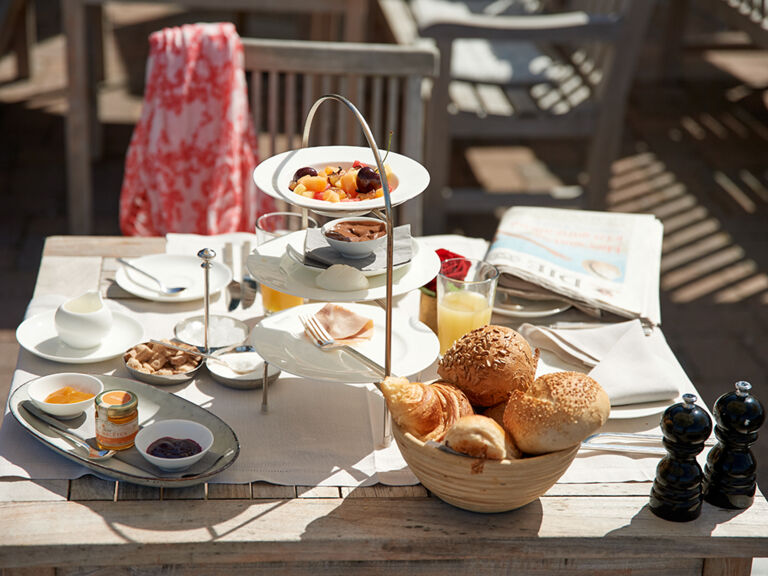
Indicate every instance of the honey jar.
{"type": "Point", "coordinates": [117, 419]}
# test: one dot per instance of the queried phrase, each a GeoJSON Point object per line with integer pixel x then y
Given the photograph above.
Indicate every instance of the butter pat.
{"type": "Point", "coordinates": [342, 278]}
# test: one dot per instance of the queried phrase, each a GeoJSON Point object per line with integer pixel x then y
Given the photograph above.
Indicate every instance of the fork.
{"type": "Point", "coordinates": [323, 340]}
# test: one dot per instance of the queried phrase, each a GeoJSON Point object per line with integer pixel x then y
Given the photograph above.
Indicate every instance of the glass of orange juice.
{"type": "Point", "coordinates": [268, 227]}
{"type": "Point", "coordinates": [466, 288]}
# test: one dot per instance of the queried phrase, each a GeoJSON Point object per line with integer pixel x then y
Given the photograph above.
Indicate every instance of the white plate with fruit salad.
{"type": "Point", "coordinates": [339, 179]}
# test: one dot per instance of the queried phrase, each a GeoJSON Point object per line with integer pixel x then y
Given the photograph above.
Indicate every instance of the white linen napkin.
{"type": "Point", "coordinates": [621, 357]}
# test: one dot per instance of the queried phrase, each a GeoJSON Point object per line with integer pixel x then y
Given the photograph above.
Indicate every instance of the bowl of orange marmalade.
{"type": "Point", "coordinates": [65, 395]}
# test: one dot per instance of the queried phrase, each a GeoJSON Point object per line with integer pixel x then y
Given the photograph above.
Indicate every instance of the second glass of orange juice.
{"type": "Point", "coordinates": [466, 289]}
{"type": "Point", "coordinates": [268, 227]}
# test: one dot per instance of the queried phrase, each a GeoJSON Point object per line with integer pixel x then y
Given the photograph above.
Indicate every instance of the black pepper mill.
{"type": "Point", "coordinates": [677, 490]}
{"type": "Point", "coordinates": [731, 472]}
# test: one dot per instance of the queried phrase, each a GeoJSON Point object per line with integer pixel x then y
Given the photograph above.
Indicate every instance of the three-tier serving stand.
{"type": "Point", "coordinates": [386, 216]}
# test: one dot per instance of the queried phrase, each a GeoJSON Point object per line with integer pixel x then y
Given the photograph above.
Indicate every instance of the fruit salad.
{"type": "Point", "coordinates": [337, 184]}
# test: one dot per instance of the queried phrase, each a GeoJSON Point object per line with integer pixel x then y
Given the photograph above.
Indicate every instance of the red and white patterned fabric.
{"type": "Point", "coordinates": [190, 160]}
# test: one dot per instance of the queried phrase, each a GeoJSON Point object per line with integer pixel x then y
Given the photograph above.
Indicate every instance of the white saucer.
{"type": "Point", "coordinates": [173, 269]}
{"type": "Point", "coordinates": [280, 340]}
{"type": "Point", "coordinates": [297, 256]}
{"type": "Point", "coordinates": [641, 410]}
{"type": "Point", "coordinates": [514, 307]}
{"type": "Point", "coordinates": [270, 265]}
{"type": "Point", "coordinates": [38, 336]}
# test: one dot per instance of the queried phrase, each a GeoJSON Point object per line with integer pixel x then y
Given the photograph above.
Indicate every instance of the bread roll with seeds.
{"type": "Point", "coordinates": [556, 412]}
{"type": "Point", "coordinates": [427, 411]}
{"type": "Point", "coordinates": [489, 363]}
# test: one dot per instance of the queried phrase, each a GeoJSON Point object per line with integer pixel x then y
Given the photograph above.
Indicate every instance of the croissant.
{"type": "Point", "coordinates": [425, 410]}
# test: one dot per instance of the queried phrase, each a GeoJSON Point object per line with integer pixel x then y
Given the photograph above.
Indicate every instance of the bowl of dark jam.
{"type": "Point", "coordinates": [174, 444]}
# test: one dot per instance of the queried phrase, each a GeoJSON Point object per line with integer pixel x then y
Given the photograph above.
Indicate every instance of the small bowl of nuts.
{"type": "Point", "coordinates": [154, 363]}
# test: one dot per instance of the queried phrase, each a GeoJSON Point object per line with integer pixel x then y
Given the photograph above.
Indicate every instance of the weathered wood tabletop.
{"type": "Point", "coordinates": [95, 526]}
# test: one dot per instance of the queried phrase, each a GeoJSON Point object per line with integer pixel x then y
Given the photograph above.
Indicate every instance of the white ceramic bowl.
{"type": "Point", "coordinates": [40, 388]}
{"type": "Point", "coordinates": [353, 249]}
{"type": "Point", "coordinates": [180, 429]}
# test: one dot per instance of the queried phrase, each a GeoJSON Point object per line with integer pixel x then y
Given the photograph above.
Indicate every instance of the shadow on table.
{"type": "Point", "coordinates": [394, 523]}
{"type": "Point", "coordinates": [646, 522]}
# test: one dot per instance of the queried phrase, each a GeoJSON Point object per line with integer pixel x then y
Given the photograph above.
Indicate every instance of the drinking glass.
{"type": "Point", "coordinates": [464, 300]}
{"type": "Point", "coordinates": [268, 227]}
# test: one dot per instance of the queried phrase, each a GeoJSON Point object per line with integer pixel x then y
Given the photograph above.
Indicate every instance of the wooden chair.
{"type": "Point", "coordinates": [17, 32]}
{"type": "Point", "coordinates": [537, 70]}
{"type": "Point", "coordinates": [748, 15]}
{"type": "Point", "coordinates": [385, 82]}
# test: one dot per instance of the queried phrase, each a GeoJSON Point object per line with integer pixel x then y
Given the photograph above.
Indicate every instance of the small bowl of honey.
{"type": "Point", "coordinates": [65, 395]}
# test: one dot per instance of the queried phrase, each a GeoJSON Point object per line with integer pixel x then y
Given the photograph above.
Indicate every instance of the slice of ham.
{"type": "Point", "coordinates": [345, 326]}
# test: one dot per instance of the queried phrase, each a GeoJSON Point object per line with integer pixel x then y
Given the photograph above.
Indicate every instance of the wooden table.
{"type": "Point", "coordinates": [93, 526]}
{"type": "Point", "coordinates": [81, 21]}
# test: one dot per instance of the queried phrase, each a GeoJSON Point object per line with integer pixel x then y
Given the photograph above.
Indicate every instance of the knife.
{"type": "Point", "coordinates": [248, 285]}
{"type": "Point", "coordinates": [234, 290]}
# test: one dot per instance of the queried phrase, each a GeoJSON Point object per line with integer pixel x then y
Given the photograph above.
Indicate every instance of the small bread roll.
{"type": "Point", "coordinates": [480, 437]}
{"type": "Point", "coordinates": [425, 410]}
{"type": "Point", "coordinates": [496, 413]}
{"type": "Point", "coordinates": [488, 363]}
{"type": "Point", "coordinates": [558, 411]}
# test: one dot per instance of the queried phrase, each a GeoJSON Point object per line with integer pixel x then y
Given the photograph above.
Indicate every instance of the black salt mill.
{"type": "Point", "coordinates": [731, 471]}
{"type": "Point", "coordinates": [677, 490]}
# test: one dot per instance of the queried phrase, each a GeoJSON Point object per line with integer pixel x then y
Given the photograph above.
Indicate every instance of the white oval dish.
{"type": "Point", "coordinates": [274, 174]}
{"type": "Point", "coordinates": [40, 388]}
{"type": "Point", "coordinates": [180, 429]}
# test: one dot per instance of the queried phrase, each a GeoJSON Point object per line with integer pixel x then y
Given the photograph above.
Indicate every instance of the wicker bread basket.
{"type": "Point", "coordinates": [482, 485]}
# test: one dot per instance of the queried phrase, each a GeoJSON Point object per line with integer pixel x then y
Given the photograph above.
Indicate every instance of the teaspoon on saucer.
{"type": "Point", "coordinates": [163, 288]}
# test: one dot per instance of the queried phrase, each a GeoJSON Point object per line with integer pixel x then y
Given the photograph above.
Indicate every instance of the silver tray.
{"type": "Point", "coordinates": [128, 465]}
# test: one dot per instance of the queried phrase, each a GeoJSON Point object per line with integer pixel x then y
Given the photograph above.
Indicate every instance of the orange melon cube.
{"type": "Point", "coordinates": [314, 183]}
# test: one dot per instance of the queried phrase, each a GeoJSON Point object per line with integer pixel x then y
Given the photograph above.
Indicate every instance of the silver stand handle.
{"type": "Point", "coordinates": [387, 436]}
{"type": "Point", "coordinates": [206, 254]}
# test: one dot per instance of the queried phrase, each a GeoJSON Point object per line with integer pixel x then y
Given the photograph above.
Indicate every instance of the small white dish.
{"type": "Point", "coordinates": [353, 249]}
{"type": "Point", "coordinates": [253, 379]}
{"type": "Point", "coordinates": [83, 322]}
{"type": "Point", "coordinates": [274, 174]}
{"type": "Point", "coordinates": [40, 388]}
{"type": "Point", "coordinates": [267, 266]}
{"type": "Point", "coordinates": [177, 429]}
{"type": "Point", "coordinates": [280, 340]}
{"type": "Point", "coordinates": [38, 336]}
{"type": "Point", "coordinates": [222, 331]}
{"type": "Point", "coordinates": [173, 269]}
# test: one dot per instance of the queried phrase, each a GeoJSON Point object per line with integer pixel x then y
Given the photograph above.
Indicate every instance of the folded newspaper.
{"type": "Point", "coordinates": [598, 261]}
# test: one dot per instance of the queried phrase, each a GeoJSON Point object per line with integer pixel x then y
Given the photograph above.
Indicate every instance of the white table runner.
{"type": "Point", "coordinates": [317, 433]}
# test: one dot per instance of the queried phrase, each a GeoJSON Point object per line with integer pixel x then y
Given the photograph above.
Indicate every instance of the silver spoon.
{"type": "Point", "coordinates": [208, 356]}
{"type": "Point", "coordinates": [93, 453]}
{"type": "Point", "coordinates": [163, 288]}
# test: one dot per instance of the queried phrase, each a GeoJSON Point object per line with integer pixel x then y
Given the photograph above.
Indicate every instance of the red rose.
{"type": "Point", "coordinates": [458, 270]}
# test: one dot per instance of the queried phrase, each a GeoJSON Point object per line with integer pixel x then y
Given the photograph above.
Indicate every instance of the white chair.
{"type": "Point", "coordinates": [385, 82]}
